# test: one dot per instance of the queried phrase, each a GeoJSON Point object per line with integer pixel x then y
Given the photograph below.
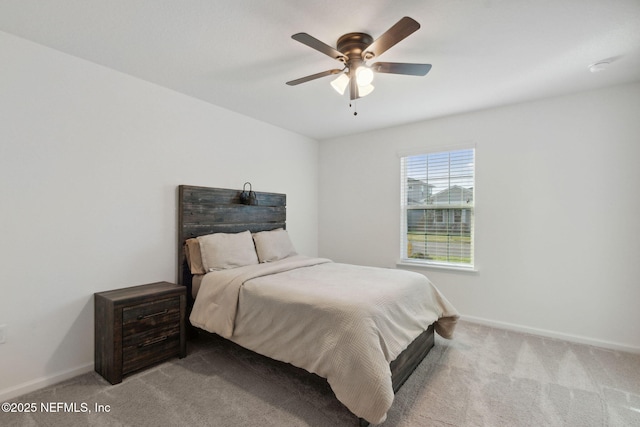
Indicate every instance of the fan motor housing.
{"type": "Point", "coordinates": [353, 44]}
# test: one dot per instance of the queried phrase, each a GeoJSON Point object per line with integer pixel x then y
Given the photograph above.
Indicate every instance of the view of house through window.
{"type": "Point", "coordinates": [437, 207]}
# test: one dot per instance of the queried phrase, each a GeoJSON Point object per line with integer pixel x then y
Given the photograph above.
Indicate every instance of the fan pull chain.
{"type": "Point", "coordinates": [355, 106]}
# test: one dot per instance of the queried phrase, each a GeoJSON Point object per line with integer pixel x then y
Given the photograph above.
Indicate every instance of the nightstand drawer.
{"type": "Point", "coordinates": [142, 317]}
{"type": "Point", "coordinates": [143, 349]}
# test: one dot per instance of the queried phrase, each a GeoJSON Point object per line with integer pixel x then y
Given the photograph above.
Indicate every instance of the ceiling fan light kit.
{"type": "Point", "coordinates": [354, 50]}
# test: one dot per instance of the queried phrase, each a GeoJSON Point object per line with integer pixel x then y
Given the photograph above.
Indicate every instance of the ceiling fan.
{"type": "Point", "coordinates": [354, 50]}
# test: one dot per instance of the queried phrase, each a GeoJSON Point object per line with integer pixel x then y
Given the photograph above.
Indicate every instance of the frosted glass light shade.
{"type": "Point", "coordinates": [365, 90]}
{"type": "Point", "coordinates": [340, 84]}
{"type": "Point", "coordinates": [364, 75]}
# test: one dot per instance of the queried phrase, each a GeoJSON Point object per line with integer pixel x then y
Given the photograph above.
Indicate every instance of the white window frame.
{"type": "Point", "coordinates": [405, 258]}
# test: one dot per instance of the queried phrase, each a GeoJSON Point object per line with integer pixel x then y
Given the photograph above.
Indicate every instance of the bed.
{"type": "Point", "coordinates": [342, 322]}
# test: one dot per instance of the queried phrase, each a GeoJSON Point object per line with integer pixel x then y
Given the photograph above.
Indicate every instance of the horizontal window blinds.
{"type": "Point", "coordinates": [437, 207]}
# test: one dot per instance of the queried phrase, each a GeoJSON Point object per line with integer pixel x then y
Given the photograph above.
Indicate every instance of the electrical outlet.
{"type": "Point", "coordinates": [3, 334]}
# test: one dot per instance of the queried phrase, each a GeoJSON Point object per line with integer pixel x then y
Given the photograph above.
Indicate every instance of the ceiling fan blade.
{"type": "Point", "coordinates": [316, 44]}
{"type": "Point", "coordinates": [313, 77]}
{"type": "Point", "coordinates": [401, 68]}
{"type": "Point", "coordinates": [401, 30]}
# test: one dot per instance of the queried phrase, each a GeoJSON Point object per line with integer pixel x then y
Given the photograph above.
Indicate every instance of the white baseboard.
{"type": "Point", "coordinates": [42, 382]}
{"type": "Point", "coordinates": [552, 334]}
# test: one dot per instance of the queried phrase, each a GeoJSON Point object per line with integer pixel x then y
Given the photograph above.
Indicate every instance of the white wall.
{"type": "Point", "coordinates": [557, 212]}
{"type": "Point", "coordinates": [90, 160]}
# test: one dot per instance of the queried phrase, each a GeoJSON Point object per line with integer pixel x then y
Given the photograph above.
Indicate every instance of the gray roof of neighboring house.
{"type": "Point", "coordinates": [453, 193]}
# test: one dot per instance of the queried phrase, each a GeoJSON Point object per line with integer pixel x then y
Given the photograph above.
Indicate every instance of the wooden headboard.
{"type": "Point", "coordinates": [205, 210]}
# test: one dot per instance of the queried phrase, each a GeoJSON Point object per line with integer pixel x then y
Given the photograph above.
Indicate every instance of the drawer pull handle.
{"type": "Point", "coordinates": [153, 341]}
{"type": "Point", "coordinates": [159, 313]}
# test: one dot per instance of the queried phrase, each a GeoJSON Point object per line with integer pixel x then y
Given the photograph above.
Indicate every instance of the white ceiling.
{"type": "Point", "coordinates": [239, 54]}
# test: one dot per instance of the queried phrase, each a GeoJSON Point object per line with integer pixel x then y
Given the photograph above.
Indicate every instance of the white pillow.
{"type": "Point", "coordinates": [227, 250]}
{"type": "Point", "coordinates": [273, 245]}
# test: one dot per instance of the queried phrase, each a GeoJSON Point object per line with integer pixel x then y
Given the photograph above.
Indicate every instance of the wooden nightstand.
{"type": "Point", "coordinates": [138, 326]}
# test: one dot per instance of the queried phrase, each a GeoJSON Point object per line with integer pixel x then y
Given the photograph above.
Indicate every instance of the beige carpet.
{"type": "Point", "coordinates": [483, 377]}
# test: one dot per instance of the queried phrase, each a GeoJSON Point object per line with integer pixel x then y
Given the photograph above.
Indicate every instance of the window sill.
{"type": "Point", "coordinates": [434, 266]}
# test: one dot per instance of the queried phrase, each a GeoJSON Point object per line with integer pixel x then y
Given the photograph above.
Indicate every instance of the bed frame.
{"type": "Point", "coordinates": [204, 210]}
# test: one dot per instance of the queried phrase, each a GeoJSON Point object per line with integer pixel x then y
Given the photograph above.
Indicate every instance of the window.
{"type": "Point", "coordinates": [437, 191]}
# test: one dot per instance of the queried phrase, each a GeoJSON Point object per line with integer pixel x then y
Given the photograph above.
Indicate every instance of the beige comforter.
{"type": "Point", "coordinates": [343, 322]}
